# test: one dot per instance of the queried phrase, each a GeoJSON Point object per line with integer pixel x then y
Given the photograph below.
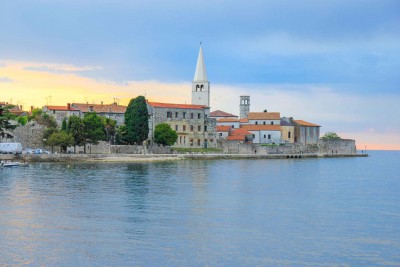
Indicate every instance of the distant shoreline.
{"type": "Point", "coordinates": [163, 157]}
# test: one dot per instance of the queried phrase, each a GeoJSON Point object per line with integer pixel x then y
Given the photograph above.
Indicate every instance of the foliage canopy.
{"type": "Point", "coordinates": [330, 136]}
{"type": "Point", "coordinates": [164, 135]}
{"type": "Point", "coordinates": [136, 121]}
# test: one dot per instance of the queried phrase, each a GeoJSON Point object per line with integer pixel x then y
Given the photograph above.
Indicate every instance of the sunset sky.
{"type": "Point", "coordinates": [333, 63]}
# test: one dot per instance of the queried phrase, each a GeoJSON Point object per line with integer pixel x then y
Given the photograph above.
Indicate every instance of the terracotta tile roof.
{"type": "Point", "coordinates": [99, 108]}
{"type": "Point", "coordinates": [223, 128]}
{"type": "Point", "coordinates": [240, 131]}
{"type": "Point", "coordinates": [252, 127]}
{"type": "Point", "coordinates": [60, 108]}
{"type": "Point", "coordinates": [236, 137]}
{"type": "Point", "coordinates": [228, 120]}
{"type": "Point", "coordinates": [220, 113]}
{"type": "Point", "coordinates": [244, 120]}
{"type": "Point", "coordinates": [182, 106]}
{"type": "Point", "coordinates": [305, 123]}
{"type": "Point", "coordinates": [264, 116]}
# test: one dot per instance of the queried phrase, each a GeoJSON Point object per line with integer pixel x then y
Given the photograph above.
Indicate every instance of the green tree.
{"type": "Point", "coordinates": [23, 120]}
{"type": "Point", "coordinates": [5, 124]}
{"type": "Point", "coordinates": [136, 121]}
{"type": "Point", "coordinates": [93, 128]}
{"type": "Point", "coordinates": [330, 136]}
{"type": "Point", "coordinates": [76, 129]}
{"type": "Point", "coordinates": [120, 135]}
{"type": "Point", "coordinates": [164, 135]}
{"type": "Point", "coordinates": [110, 128]}
{"type": "Point", "coordinates": [64, 125]}
{"type": "Point", "coordinates": [62, 139]}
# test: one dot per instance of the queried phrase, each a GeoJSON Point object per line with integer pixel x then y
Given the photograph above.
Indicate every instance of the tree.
{"type": "Point", "coordinates": [64, 125]}
{"type": "Point", "coordinates": [93, 128]}
{"type": "Point", "coordinates": [75, 127]}
{"type": "Point", "coordinates": [164, 135]}
{"type": "Point", "coordinates": [5, 124]}
{"type": "Point", "coordinates": [136, 121]}
{"type": "Point", "coordinates": [62, 139]}
{"type": "Point", "coordinates": [110, 128]}
{"type": "Point", "coordinates": [330, 136]}
{"type": "Point", "coordinates": [120, 135]}
{"type": "Point", "coordinates": [23, 120]}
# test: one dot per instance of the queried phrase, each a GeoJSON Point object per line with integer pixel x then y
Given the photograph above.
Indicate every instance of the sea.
{"type": "Point", "coordinates": [253, 212]}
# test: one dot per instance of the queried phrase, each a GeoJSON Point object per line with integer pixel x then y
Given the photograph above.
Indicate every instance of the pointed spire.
{"type": "Point", "coordinates": [200, 75]}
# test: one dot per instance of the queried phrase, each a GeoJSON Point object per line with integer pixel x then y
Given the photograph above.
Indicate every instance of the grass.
{"type": "Point", "coordinates": [183, 150]}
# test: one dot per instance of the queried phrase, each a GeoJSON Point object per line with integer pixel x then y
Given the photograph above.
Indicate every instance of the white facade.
{"type": "Point", "coordinates": [265, 122]}
{"type": "Point", "coordinates": [266, 137]}
{"type": "Point", "coordinates": [233, 124]}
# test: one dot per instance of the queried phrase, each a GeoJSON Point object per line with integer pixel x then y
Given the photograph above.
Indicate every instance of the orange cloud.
{"type": "Point", "coordinates": [32, 84]}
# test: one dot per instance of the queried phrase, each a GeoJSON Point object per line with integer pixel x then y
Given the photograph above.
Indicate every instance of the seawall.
{"type": "Point", "coordinates": [162, 157]}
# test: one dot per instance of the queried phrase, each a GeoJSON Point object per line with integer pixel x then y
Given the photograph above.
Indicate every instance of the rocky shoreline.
{"type": "Point", "coordinates": [162, 157]}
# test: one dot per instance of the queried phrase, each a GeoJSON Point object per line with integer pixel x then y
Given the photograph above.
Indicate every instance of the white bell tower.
{"type": "Point", "coordinates": [200, 84]}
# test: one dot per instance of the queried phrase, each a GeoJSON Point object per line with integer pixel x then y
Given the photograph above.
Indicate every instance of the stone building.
{"type": "Point", "coordinates": [287, 130]}
{"type": "Point", "coordinates": [244, 106]}
{"type": "Point", "coordinates": [191, 122]}
{"type": "Point", "coordinates": [113, 111]}
{"type": "Point", "coordinates": [61, 112]}
{"type": "Point", "coordinates": [200, 84]}
{"type": "Point", "coordinates": [306, 133]}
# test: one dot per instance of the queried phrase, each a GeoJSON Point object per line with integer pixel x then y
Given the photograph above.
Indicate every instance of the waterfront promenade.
{"type": "Point", "coordinates": [163, 157]}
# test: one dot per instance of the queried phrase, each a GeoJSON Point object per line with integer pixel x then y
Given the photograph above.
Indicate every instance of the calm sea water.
{"type": "Point", "coordinates": [305, 212]}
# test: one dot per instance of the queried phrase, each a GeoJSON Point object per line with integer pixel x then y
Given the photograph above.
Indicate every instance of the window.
{"type": "Point", "coordinates": [191, 128]}
{"type": "Point", "coordinates": [191, 142]}
{"type": "Point", "coordinates": [289, 134]}
{"type": "Point", "coordinates": [233, 126]}
{"type": "Point", "coordinates": [197, 88]}
{"type": "Point", "coordinates": [199, 116]}
{"type": "Point", "coordinates": [176, 114]}
{"type": "Point", "coordinates": [269, 136]}
{"type": "Point", "coordinates": [264, 122]}
{"type": "Point", "coordinates": [184, 139]}
{"type": "Point", "coordinates": [265, 136]}
{"type": "Point", "coordinates": [205, 116]}
{"type": "Point", "coordinates": [205, 128]}
{"type": "Point", "coordinates": [169, 114]}
{"type": "Point", "coordinates": [198, 142]}
{"type": "Point", "coordinates": [184, 128]}
{"type": "Point", "coordinates": [272, 123]}
{"type": "Point", "coordinates": [201, 87]}
{"type": "Point", "coordinates": [180, 139]}
{"type": "Point", "coordinates": [184, 115]}
{"type": "Point", "coordinates": [256, 122]}
{"type": "Point", "coordinates": [199, 128]}
{"type": "Point", "coordinates": [191, 115]}
{"type": "Point", "coordinates": [254, 136]}
{"type": "Point", "coordinates": [176, 127]}
{"type": "Point", "coordinates": [220, 134]}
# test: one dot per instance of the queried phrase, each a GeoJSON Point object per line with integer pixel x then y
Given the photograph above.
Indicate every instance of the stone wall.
{"type": "Point", "coordinates": [104, 148]}
{"type": "Point", "coordinates": [343, 146]}
{"type": "Point", "coordinates": [30, 135]}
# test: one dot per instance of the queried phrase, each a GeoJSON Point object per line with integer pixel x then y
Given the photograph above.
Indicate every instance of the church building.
{"type": "Point", "coordinates": [191, 122]}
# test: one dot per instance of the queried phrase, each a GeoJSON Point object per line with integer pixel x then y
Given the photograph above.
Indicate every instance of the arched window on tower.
{"type": "Point", "coordinates": [289, 135]}
{"type": "Point", "coordinates": [197, 88]}
{"type": "Point", "coordinates": [201, 87]}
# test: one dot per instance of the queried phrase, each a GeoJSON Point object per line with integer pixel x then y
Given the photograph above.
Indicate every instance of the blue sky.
{"type": "Point", "coordinates": [318, 52]}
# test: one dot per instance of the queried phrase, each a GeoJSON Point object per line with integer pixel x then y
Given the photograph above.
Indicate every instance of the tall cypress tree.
{"type": "Point", "coordinates": [76, 128]}
{"type": "Point", "coordinates": [136, 121]}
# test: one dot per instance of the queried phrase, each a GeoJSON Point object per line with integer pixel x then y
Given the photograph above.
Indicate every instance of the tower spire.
{"type": "Point", "coordinates": [200, 74]}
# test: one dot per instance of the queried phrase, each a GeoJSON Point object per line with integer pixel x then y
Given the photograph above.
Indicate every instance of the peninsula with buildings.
{"type": "Point", "coordinates": [197, 129]}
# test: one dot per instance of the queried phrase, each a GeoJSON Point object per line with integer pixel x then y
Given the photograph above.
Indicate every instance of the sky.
{"type": "Point", "coordinates": [333, 63]}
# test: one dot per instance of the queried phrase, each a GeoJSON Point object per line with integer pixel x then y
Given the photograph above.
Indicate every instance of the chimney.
{"type": "Point", "coordinates": [68, 106]}
{"type": "Point", "coordinates": [31, 109]}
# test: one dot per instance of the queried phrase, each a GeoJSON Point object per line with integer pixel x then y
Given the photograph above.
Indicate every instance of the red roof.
{"type": "Point", "coordinates": [100, 108]}
{"type": "Point", "coordinates": [60, 108]}
{"type": "Point", "coordinates": [223, 128]}
{"type": "Point", "coordinates": [241, 137]}
{"type": "Point", "coordinates": [264, 116]}
{"type": "Point", "coordinates": [220, 113]}
{"type": "Point", "coordinates": [305, 123]}
{"type": "Point", "coordinates": [253, 127]}
{"type": "Point", "coordinates": [239, 131]}
{"type": "Point", "coordinates": [182, 106]}
{"type": "Point", "coordinates": [244, 120]}
{"type": "Point", "coordinates": [227, 120]}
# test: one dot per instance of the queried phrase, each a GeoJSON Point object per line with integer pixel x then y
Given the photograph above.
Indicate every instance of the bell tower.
{"type": "Point", "coordinates": [244, 106]}
{"type": "Point", "coordinates": [200, 84]}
